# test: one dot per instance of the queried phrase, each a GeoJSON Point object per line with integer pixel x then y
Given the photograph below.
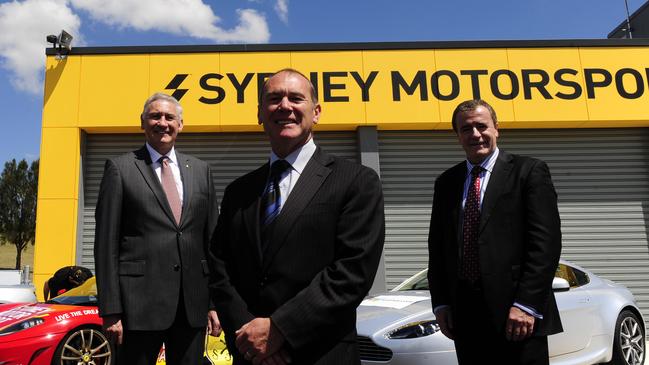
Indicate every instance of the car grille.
{"type": "Point", "coordinates": [371, 351]}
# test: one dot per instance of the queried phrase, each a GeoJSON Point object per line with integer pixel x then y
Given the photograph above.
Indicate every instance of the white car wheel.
{"type": "Point", "coordinates": [629, 342]}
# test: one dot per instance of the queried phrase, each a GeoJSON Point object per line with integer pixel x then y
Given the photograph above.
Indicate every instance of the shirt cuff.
{"type": "Point", "coordinates": [528, 310]}
{"type": "Point", "coordinates": [439, 307]}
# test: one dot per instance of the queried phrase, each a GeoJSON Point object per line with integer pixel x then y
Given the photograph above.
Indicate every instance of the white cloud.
{"type": "Point", "coordinates": [281, 7]}
{"type": "Point", "coordinates": [23, 27]}
{"type": "Point", "coordinates": [182, 17]}
{"type": "Point", "coordinates": [25, 24]}
{"type": "Point", "coordinates": [252, 28]}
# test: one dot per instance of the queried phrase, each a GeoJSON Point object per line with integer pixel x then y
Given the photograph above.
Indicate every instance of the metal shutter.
{"type": "Point", "coordinates": [410, 162]}
{"type": "Point", "coordinates": [230, 155]}
{"type": "Point", "coordinates": [600, 175]}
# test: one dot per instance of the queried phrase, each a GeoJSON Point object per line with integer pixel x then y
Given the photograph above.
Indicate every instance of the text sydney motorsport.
{"type": "Point", "coordinates": [446, 85]}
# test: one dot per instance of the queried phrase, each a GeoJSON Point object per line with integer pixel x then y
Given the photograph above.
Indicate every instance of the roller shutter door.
{"type": "Point", "coordinates": [230, 155]}
{"type": "Point", "coordinates": [410, 162]}
{"type": "Point", "coordinates": [601, 177]}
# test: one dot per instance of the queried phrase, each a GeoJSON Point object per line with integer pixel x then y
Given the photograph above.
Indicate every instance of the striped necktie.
{"type": "Point", "coordinates": [271, 199]}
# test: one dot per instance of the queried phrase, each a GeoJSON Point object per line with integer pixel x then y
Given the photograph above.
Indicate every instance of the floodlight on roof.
{"type": "Point", "coordinates": [65, 40]}
{"type": "Point", "coordinates": [62, 42]}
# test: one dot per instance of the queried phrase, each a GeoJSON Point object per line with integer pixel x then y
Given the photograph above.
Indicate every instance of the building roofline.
{"type": "Point", "coordinates": [622, 25]}
{"type": "Point", "coordinates": [615, 42]}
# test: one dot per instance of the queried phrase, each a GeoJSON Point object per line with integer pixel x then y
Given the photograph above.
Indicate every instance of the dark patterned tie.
{"type": "Point", "coordinates": [470, 264]}
{"type": "Point", "coordinates": [170, 189]}
{"type": "Point", "coordinates": [271, 199]}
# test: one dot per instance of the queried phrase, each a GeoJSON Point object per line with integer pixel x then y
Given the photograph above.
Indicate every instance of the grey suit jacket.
{"type": "Point", "coordinates": [319, 263]}
{"type": "Point", "coordinates": [144, 259]}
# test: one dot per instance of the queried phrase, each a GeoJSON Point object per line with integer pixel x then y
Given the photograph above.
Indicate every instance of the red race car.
{"type": "Point", "coordinates": [66, 330]}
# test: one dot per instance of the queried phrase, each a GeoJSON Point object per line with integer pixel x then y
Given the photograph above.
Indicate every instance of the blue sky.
{"type": "Point", "coordinates": [24, 25]}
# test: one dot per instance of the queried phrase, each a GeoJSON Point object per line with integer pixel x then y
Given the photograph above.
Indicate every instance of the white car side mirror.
{"type": "Point", "coordinates": [560, 284]}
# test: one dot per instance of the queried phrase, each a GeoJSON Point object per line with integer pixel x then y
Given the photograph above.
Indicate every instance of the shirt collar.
{"type": "Point", "coordinates": [298, 158]}
{"type": "Point", "coordinates": [155, 155]}
{"type": "Point", "coordinates": [487, 164]}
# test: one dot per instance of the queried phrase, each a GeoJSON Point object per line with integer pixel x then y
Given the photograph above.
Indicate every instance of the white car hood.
{"type": "Point", "coordinates": [391, 310]}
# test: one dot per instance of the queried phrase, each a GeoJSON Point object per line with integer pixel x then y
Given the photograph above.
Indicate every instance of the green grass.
{"type": "Point", "coordinates": [8, 256]}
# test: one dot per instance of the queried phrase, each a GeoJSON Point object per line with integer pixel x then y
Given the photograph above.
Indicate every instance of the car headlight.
{"type": "Point", "coordinates": [414, 330]}
{"type": "Point", "coordinates": [23, 325]}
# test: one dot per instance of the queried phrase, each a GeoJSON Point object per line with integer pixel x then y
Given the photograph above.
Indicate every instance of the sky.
{"type": "Point", "coordinates": [25, 24]}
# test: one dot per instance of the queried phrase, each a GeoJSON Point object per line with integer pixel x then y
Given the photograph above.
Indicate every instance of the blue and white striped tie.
{"type": "Point", "coordinates": [271, 200]}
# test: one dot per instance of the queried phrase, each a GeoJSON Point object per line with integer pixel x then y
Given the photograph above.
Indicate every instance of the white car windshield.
{"type": "Point", "coordinates": [417, 282]}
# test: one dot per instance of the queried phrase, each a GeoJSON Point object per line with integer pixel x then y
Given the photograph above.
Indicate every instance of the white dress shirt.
{"type": "Point", "coordinates": [487, 168]}
{"type": "Point", "coordinates": [298, 160]}
{"type": "Point", "coordinates": [173, 163]}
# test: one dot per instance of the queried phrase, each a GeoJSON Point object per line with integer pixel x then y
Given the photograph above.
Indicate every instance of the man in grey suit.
{"type": "Point", "coordinates": [297, 248]}
{"type": "Point", "coordinates": [155, 215]}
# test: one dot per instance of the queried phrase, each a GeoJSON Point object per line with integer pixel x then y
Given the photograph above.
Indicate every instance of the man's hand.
{"type": "Point", "coordinates": [445, 320]}
{"type": "Point", "coordinates": [520, 325]}
{"type": "Point", "coordinates": [213, 324]}
{"type": "Point", "coordinates": [258, 339]}
{"type": "Point", "coordinates": [113, 328]}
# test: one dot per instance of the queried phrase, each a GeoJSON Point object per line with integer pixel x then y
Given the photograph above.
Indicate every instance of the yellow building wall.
{"type": "Point", "coordinates": [529, 88]}
{"type": "Point", "coordinates": [58, 199]}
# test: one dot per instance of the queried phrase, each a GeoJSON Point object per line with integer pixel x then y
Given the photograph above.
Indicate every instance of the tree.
{"type": "Point", "coordinates": [18, 189]}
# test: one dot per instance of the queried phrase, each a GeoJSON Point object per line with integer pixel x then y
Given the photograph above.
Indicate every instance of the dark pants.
{"type": "Point", "coordinates": [478, 341]}
{"type": "Point", "coordinates": [184, 345]}
{"type": "Point", "coordinates": [342, 353]}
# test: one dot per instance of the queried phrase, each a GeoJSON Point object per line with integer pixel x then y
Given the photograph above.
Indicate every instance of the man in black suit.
{"type": "Point", "coordinates": [291, 269]}
{"type": "Point", "coordinates": [155, 216]}
{"type": "Point", "coordinates": [494, 245]}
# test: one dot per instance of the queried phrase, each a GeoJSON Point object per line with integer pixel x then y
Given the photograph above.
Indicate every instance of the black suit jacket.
{"type": "Point", "coordinates": [318, 265]}
{"type": "Point", "coordinates": [143, 259]}
{"type": "Point", "coordinates": [519, 239]}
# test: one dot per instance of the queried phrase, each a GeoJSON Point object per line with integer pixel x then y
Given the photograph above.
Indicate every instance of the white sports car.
{"type": "Point", "coordinates": [17, 294]}
{"type": "Point", "coordinates": [601, 323]}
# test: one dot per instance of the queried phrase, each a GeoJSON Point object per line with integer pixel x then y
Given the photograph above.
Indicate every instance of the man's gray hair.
{"type": "Point", "coordinates": [161, 96]}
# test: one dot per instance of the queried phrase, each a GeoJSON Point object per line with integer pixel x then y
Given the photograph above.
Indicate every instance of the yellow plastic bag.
{"type": "Point", "coordinates": [216, 352]}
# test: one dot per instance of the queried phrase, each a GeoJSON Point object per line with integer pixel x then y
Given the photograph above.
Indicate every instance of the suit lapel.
{"type": "Point", "coordinates": [310, 181]}
{"type": "Point", "coordinates": [251, 212]}
{"type": "Point", "coordinates": [457, 186]}
{"type": "Point", "coordinates": [143, 163]}
{"type": "Point", "coordinates": [187, 177]}
{"type": "Point", "coordinates": [502, 169]}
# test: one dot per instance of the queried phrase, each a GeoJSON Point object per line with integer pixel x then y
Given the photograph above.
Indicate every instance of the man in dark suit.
{"type": "Point", "coordinates": [155, 216]}
{"type": "Point", "coordinates": [494, 245]}
{"type": "Point", "coordinates": [291, 271]}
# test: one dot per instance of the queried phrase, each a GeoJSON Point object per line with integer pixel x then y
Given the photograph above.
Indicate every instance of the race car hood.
{"type": "Point", "coordinates": [392, 309]}
{"type": "Point", "coordinates": [54, 315]}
